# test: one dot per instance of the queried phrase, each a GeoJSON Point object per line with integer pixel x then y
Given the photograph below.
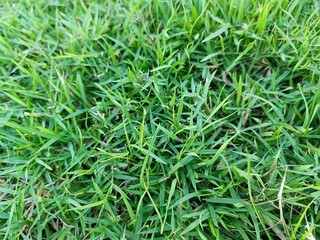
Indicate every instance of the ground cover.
{"type": "Point", "coordinates": [159, 119]}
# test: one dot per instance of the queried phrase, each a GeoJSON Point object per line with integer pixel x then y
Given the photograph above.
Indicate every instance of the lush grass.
{"type": "Point", "coordinates": [159, 119]}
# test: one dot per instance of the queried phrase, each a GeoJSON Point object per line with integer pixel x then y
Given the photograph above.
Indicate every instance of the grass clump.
{"type": "Point", "coordinates": [159, 120]}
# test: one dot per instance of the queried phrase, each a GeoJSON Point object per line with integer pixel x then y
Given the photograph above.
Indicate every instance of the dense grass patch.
{"type": "Point", "coordinates": [159, 119]}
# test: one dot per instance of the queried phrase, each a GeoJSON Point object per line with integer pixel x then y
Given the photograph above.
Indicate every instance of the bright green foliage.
{"type": "Point", "coordinates": [190, 119]}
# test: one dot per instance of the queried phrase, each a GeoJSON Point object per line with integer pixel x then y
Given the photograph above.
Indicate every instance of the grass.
{"type": "Point", "coordinates": [141, 119]}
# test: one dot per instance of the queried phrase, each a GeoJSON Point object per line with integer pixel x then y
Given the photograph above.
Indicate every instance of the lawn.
{"type": "Point", "coordinates": [191, 119]}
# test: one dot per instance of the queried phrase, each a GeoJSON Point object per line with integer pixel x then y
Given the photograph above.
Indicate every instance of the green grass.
{"type": "Point", "coordinates": [158, 119]}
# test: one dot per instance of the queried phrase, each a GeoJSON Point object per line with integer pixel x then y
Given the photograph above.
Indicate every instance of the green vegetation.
{"type": "Point", "coordinates": [189, 119]}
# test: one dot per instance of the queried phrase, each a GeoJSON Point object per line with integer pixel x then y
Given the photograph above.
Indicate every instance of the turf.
{"type": "Point", "coordinates": [159, 119]}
